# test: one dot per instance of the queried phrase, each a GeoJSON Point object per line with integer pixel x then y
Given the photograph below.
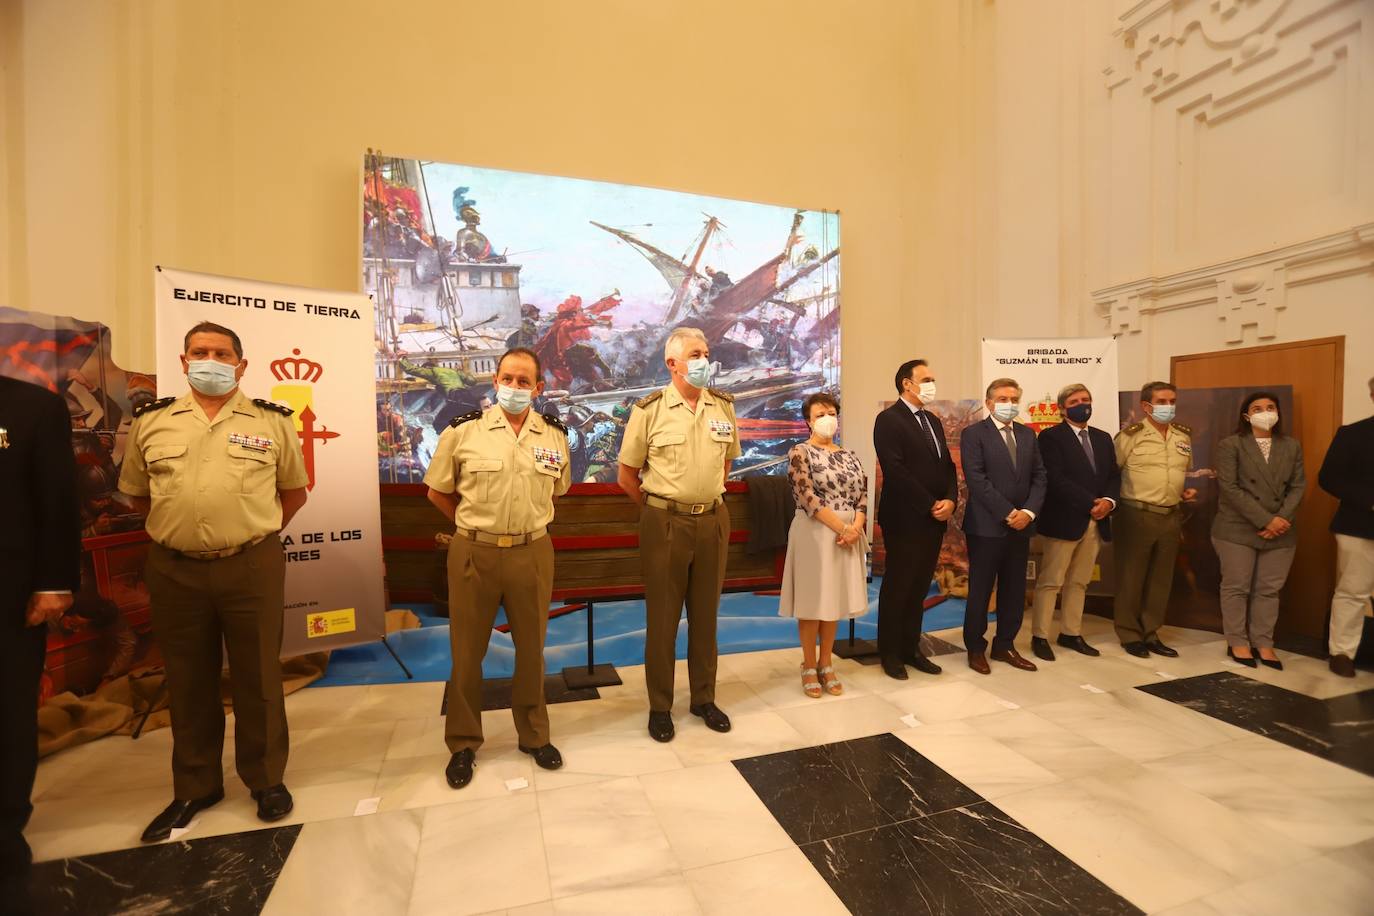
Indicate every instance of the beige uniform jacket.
{"type": "Point", "coordinates": [681, 452]}
{"type": "Point", "coordinates": [213, 484]}
{"type": "Point", "coordinates": [505, 483]}
{"type": "Point", "coordinates": [1153, 467]}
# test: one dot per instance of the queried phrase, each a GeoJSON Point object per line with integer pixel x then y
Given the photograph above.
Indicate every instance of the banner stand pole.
{"type": "Point", "coordinates": [409, 676]}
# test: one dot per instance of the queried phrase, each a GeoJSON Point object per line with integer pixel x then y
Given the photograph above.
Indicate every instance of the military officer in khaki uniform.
{"type": "Point", "coordinates": [218, 475]}
{"type": "Point", "coordinates": [674, 459]}
{"type": "Point", "coordinates": [1155, 457]}
{"type": "Point", "coordinates": [495, 474]}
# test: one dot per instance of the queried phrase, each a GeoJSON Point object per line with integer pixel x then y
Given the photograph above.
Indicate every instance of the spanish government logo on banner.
{"type": "Point", "coordinates": [297, 390]}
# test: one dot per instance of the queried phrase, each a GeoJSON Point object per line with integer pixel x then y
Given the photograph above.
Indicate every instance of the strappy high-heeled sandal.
{"type": "Point", "coordinates": [812, 689]}
{"type": "Point", "coordinates": [831, 680]}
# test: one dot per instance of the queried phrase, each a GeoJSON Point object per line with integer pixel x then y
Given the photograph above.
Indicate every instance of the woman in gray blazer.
{"type": "Point", "coordinates": [1261, 481]}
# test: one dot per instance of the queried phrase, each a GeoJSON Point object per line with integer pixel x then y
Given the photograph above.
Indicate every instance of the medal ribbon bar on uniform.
{"type": "Point", "coordinates": [258, 443]}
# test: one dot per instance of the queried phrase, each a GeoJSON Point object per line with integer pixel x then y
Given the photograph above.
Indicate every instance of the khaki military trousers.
{"type": "Point", "coordinates": [684, 561]}
{"type": "Point", "coordinates": [1144, 545]}
{"type": "Point", "coordinates": [1066, 568]}
{"type": "Point", "coordinates": [481, 578]}
{"type": "Point", "coordinates": [197, 607]}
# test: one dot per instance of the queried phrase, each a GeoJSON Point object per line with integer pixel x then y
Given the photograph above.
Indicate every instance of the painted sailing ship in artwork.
{"type": "Point", "coordinates": [578, 271]}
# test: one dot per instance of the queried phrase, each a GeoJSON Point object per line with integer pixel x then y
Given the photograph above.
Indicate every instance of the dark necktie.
{"type": "Point", "coordinates": [1087, 447]}
{"type": "Point", "coordinates": [924, 419]}
{"type": "Point", "coordinates": [1010, 437]}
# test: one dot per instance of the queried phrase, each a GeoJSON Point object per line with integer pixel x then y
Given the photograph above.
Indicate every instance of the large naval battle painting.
{"type": "Point", "coordinates": [466, 262]}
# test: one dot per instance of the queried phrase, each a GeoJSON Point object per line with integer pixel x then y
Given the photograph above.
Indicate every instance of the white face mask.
{"type": "Point", "coordinates": [825, 426]}
{"type": "Point", "coordinates": [925, 392]}
{"type": "Point", "coordinates": [1265, 420]}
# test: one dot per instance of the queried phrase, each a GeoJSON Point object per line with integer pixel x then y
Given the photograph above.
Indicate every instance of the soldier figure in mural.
{"type": "Point", "coordinates": [593, 438]}
{"type": "Point", "coordinates": [473, 246]}
{"type": "Point", "coordinates": [528, 332]}
{"type": "Point", "coordinates": [460, 391]}
{"type": "Point", "coordinates": [561, 351]}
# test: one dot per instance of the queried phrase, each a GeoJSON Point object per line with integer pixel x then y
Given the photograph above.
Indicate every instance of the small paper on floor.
{"type": "Point", "coordinates": [1166, 675]}
{"type": "Point", "coordinates": [179, 832]}
{"type": "Point", "coordinates": [367, 806]}
{"type": "Point", "coordinates": [1009, 704]}
{"type": "Point", "coordinates": [911, 721]}
{"type": "Point", "coordinates": [516, 784]}
{"type": "Point", "coordinates": [1091, 689]}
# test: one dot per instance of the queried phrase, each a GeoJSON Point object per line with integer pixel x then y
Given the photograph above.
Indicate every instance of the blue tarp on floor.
{"type": "Point", "coordinates": [748, 623]}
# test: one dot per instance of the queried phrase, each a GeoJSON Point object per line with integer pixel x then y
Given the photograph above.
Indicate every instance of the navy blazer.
{"type": "Point", "coordinates": [1074, 484]}
{"type": "Point", "coordinates": [1345, 474]}
{"type": "Point", "coordinates": [994, 487]}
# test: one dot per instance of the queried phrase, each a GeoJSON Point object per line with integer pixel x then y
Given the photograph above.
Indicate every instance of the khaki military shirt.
{"type": "Point", "coordinates": [213, 483]}
{"type": "Point", "coordinates": [1153, 467]}
{"type": "Point", "coordinates": [505, 483]}
{"type": "Point", "coordinates": [681, 452]}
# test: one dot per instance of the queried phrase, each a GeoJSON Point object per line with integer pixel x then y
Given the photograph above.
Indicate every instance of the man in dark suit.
{"type": "Point", "coordinates": [40, 567]}
{"type": "Point", "coordinates": [1006, 489]}
{"type": "Point", "coordinates": [1345, 475]}
{"type": "Point", "coordinates": [920, 492]}
{"type": "Point", "coordinates": [1084, 483]}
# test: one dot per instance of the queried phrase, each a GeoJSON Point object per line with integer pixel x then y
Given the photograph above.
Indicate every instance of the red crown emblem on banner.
{"type": "Point", "coordinates": [295, 368]}
{"type": "Point", "coordinates": [1044, 414]}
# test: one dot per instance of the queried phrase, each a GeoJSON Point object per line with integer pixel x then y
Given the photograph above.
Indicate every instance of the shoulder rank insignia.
{"type": "Point", "coordinates": [723, 395]}
{"type": "Point", "coordinates": [149, 407]}
{"type": "Point", "coordinates": [1186, 430]}
{"type": "Point", "coordinates": [649, 399]}
{"type": "Point", "coordinates": [551, 418]}
{"type": "Point", "coordinates": [273, 406]}
{"type": "Point", "coordinates": [1133, 429]}
{"type": "Point", "coordinates": [465, 418]}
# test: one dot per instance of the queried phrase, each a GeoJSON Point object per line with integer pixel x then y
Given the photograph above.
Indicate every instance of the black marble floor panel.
{"type": "Point", "coordinates": [230, 874]}
{"type": "Point", "coordinates": [1339, 729]}
{"type": "Point", "coordinates": [892, 833]}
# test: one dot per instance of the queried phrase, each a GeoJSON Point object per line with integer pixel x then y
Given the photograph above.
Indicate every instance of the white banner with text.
{"type": "Point", "coordinates": [1043, 366]}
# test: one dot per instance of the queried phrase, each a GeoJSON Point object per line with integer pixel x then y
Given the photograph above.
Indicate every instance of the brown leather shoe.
{"type": "Point", "coordinates": [1013, 658]}
{"type": "Point", "coordinates": [979, 662]}
{"type": "Point", "coordinates": [1342, 665]}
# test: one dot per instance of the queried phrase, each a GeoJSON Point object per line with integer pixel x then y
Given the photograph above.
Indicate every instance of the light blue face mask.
{"type": "Point", "coordinates": [1163, 413]}
{"type": "Point", "coordinates": [699, 372]}
{"type": "Point", "coordinates": [513, 400]}
{"type": "Point", "coordinates": [211, 377]}
{"type": "Point", "coordinates": [1006, 411]}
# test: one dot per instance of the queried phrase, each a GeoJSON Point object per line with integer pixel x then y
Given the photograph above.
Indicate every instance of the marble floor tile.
{"type": "Point", "coordinates": [1192, 908]}
{"type": "Point", "coordinates": [114, 763]}
{"type": "Point", "coordinates": [973, 859]}
{"type": "Point", "coordinates": [752, 734]}
{"type": "Point", "coordinates": [735, 697]}
{"type": "Point", "coordinates": [363, 865]}
{"type": "Point", "coordinates": [599, 757]}
{"type": "Point", "coordinates": [710, 815]}
{"type": "Point", "coordinates": [840, 718]}
{"type": "Point", "coordinates": [424, 737]}
{"type": "Point", "coordinates": [419, 782]}
{"type": "Point", "coordinates": [330, 797]}
{"type": "Point", "coordinates": [1104, 719]}
{"type": "Point", "coordinates": [1318, 886]}
{"type": "Point", "coordinates": [942, 700]}
{"type": "Point", "coordinates": [321, 707]}
{"type": "Point", "coordinates": [786, 692]}
{"type": "Point", "coordinates": [1136, 862]}
{"type": "Point", "coordinates": [339, 746]}
{"type": "Point", "coordinates": [1106, 673]}
{"type": "Point", "coordinates": [984, 764]}
{"type": "Point", "coordinates": [222, 875]}
{"type": "Point", "coordinates": [601, 836]}
{"type": "Point", "coordinates": [1062, 752]}
{"type": "Point", "coordinates": [395, 702]}
{"type": "Point", "coordinates": [820, 792]}
{"type": "Point", "coordinates": [67, 827]}
{"type": "Point", "coordinates": [776, 882]}
{"type": "Point", "coordinates": [668, 895]}
{"type": "Point", "coordinates": [484, 855]}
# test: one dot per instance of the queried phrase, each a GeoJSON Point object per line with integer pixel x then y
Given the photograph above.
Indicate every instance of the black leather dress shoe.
{"type": "Point", "coordinates": [1136, 648]}
{"type": "Point", "coordinates": [546, 756]}
{"type": "Point", "coordinates": [923, 664]}
{"type": "Point", "coordinates": [716, 720]}
{"type": "Point", "coordinates": [177, 815]}
{"type": "Point", "coordinates": [1077, 644]}
{"type": "Point", "coordinates": [661, 726]}
{"type": "Point", "coordinates": [1158, 648]}
{"type": "Point", "coordinates": [274, 803]}
{"type": "Point", "coordinates": [1041, 648]}
{"type": "Point", "coordinates": [1249, 662]}
{"type": "Point", "coordinates": [459, 769]}
{"type": "Point", "coordinates": [1342, 665]}
{"type": "Point", "coordinates": [894, 669]}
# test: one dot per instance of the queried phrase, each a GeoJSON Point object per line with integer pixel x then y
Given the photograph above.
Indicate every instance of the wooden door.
{"type": "Point", "coordinates": [1315, 369]}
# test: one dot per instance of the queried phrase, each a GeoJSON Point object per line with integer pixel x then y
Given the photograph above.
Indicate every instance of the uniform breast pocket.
{"type": "Point", "coordinates": [166, 469]}
{"type": "Point", "coordinates": [483, 471]}
{"type": "Point", "coordinates": [251, 470]}
{"type": "Point", "coordinates": [665, 453]}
